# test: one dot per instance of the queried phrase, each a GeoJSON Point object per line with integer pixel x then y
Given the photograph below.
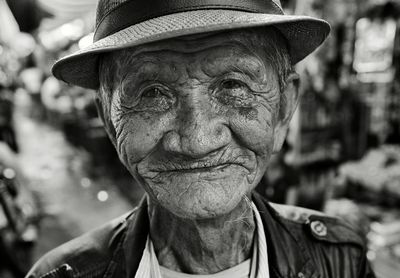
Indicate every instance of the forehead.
{"type": "Point", "coordinates": [211, 53]}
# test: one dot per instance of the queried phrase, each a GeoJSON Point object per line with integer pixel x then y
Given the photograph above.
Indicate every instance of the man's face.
{"type": "Point", "coordinates": [194, 121]}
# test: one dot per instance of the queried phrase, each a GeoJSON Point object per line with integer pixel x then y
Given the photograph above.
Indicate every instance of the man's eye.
{"type": "Point", "coordinates": [155, 99]}
{"type": "Point", "coordinates": [152, 93]}
{"type": "Point", "coordinates": [232, 84]}
{"type": "Point", "coordinates": [235, 93]}
{"type": "Point", "coordinates": [151, 99]}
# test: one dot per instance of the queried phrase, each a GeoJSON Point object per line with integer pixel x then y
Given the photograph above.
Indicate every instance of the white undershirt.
{"type": "Point", "coordinates": [240, 271]}
{"type": "Point", "coordinates": [256, 267]}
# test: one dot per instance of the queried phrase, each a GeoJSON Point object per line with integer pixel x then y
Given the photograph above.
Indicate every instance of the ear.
{"type": "Point", "coordinates": [106, 120]}
{"type": "Point", "coordinates": [289, 102]}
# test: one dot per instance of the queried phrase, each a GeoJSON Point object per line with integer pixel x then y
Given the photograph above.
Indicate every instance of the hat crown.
{"type": "Point", "coordinates": [115, 15]}
{"type": "Point", "coordinates": [104, 7]}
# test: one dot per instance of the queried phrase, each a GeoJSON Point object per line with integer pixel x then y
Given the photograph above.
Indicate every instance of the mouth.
{"type": "Point", "coordinates": [199, 169]}
{"type": "Point", "coordinates": [221, 163]}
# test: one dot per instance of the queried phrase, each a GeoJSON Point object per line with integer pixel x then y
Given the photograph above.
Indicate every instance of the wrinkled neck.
{"type": "Point", "coordinates": [204, 246]}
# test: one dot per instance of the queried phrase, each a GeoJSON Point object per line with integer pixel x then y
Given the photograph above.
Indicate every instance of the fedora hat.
{"type": "Point", "coordinates": [128, 23]}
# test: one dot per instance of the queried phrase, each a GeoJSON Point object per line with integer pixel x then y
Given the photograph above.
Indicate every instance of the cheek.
{"type": "Point", "coordinates": [255, 133]}
{"type": "Point", "coordinates": [137, 136]}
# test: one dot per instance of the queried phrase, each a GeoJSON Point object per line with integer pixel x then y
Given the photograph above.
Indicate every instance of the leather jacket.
{"type": "Point", "coordinates": [301, 243]}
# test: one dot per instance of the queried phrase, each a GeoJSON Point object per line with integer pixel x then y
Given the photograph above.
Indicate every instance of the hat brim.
{"type": "Point", "coordinates": [304, 34]}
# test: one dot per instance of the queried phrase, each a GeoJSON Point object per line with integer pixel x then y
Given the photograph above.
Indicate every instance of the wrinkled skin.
{"type": "Point", "coordinates": [195, 122]}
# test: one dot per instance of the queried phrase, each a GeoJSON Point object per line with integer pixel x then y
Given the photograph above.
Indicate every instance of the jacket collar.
{"type": "Point", "coordinates": [135, 240]}
{"type": "Point", "coordinates": [287, 253]}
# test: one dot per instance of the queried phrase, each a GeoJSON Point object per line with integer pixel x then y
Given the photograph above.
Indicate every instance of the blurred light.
{"type": "Point", "coordinates": [86, 41]}
{"type": "Point", "coordinates": [371, 255]}
{"type": "Point", "coordinates": [396, 250]}
{"type": "Point", "coordinates": [60, 37]}
{"type": "Point", "coordinates": [9, 173]}
{"type": "Point", "coordinates": [13, 65]}
{"type": "Point", "coordinates": [102, 196]}
{"type": "Point", "coordinates": [45, 174]}
{"type": "Point", "coordinates": [24, 45]}
{"type": "Point", "coordinates": [73, 29]}
{"type": "Point", "coordinates": [86, 183]}
{"type": "Point", "coordinates": [3, 77]}
{"type": "Point", "coordinates": [67, 9]}
{"type": "Point", "coordinates": [30, 234]}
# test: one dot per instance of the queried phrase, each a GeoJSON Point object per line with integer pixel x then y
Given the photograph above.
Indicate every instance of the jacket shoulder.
{"type": "Point", "coordinates": [343, 247]}
{"type": "Point", "coordinates": [320, 226]}
{"type": "Point", "coordinates": [91, 250]}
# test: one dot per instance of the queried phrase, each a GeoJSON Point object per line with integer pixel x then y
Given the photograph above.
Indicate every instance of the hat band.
{"type": "Point", "coordinates": [134, 12]}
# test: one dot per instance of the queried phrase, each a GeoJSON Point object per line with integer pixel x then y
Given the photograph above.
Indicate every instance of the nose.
{"type": "Point", "coordinates": [198, 130]}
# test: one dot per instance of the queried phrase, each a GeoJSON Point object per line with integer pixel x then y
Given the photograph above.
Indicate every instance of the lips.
{"type": "Point", "coordinates": [198, 169]}
{"type": "Point", "coordinates": [229, 160]}
{"type": "Point", "coordinates": [201, 165]}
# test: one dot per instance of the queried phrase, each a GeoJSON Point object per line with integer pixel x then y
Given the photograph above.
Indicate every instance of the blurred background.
{"type": "Point", "coordinates": [60, 176]}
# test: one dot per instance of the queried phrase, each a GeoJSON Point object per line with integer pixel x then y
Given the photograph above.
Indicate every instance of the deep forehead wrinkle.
{"type": "Point", "coordinates": [152, 67]}
{"type": "Point", "coordinates": [196, 43]}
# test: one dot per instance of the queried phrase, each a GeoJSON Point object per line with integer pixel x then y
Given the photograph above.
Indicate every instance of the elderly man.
{"type": "Point", "coordinates": [196, 96]}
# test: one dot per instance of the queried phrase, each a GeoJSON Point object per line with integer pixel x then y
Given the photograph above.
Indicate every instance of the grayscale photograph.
{"type": "Point", "coordinates": [199, 138]}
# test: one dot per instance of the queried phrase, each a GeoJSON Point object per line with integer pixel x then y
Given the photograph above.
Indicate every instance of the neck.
{"type": "Point", "coordinates": [202, 246]}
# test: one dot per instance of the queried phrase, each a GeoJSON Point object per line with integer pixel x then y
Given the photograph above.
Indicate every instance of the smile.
{"type": "Point", "coordinates": [200, 169]}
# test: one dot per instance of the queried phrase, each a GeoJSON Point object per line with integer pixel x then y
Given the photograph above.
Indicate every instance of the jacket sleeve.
{"type": "Point", "coordinates": [365, 268]}
{"type": "Point", "coordinates": [89, 253]}
{"type": "Point", "coordinates": [64, 271]}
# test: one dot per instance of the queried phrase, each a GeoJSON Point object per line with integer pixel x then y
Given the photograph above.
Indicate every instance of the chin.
{"type": "Point", "coordinates": [205, 200]}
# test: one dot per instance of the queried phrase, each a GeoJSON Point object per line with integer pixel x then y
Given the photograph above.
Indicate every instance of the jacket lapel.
{"type": "Point", "coordinates": [135, 241]}
{"type": "Point", "coordinates": [287, 255]}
